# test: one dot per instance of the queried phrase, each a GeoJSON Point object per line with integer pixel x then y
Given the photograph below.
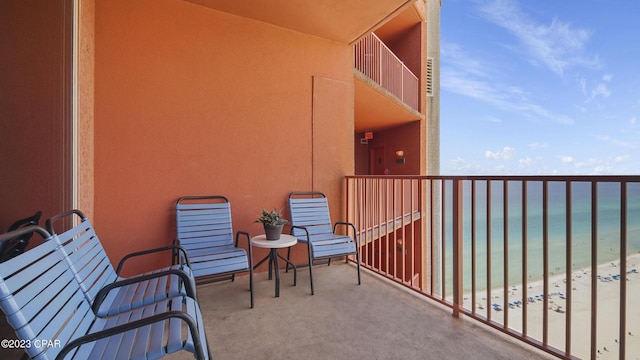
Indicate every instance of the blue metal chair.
{"type": "Point", "coordinates": [17, 245]}
{"type": "Point", "coordinates": [311, 224]}
{"type": "Point", "coordinates": [43, 303]}
{"type": "Point", "coordinates": [205, 231]}
{"type": "Point", "coordinates": [104, 288]}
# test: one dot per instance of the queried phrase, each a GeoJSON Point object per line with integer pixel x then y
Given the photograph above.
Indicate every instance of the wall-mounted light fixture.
{"type": "Point", "coordinates": [399, 157]}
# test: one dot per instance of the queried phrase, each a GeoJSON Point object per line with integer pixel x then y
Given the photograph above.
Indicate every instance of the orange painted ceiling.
{"type": "Point", "coordinates": [375, 110]}
{"type": "Point", "coordinates": [339, 20]}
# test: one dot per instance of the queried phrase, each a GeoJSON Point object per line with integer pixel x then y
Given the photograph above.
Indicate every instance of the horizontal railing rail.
{"type": "Point", "coordinates": [377, 62]}
{"type": "Point", "coordinates": [549, 260]}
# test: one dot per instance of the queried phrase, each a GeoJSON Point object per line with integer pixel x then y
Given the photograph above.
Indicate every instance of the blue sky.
{"type": "Point", "coordinates": [540, 87]}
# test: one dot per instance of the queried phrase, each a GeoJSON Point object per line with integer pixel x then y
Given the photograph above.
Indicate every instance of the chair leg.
{"type": "Point", "coordinates": [286, 269]}
{"type": "Point", "coordinates": [358, 260]}
{"type": "Point", "coordinates": [310, 266]}
{"type": "Point", "coordinates": [251, 285]}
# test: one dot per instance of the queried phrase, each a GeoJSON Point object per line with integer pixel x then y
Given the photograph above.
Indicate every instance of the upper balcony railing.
{"type": "Point", "coordinates": [376, 61]}
{"type": "Point", "coordinates": [552, 261]}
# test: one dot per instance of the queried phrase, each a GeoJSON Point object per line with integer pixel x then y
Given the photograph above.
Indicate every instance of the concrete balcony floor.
{"type": "Point", "coordinates": [376, 320]}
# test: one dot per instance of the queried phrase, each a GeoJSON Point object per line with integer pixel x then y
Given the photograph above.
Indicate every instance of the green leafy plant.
{"type": "Point", "coordinates": [273, 217]}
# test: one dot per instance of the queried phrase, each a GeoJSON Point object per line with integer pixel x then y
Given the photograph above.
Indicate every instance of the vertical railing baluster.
{"type": "Point", "coordinates": [568, 263]}
{"type": "Point", "coordinates": [403, 254]}
{"type": "Point", "coordinates": [422, 208]}
{"type": "Point", "coordinates": [545, 262]}
{"type": "Point", "coordinates": [457, 204]}
{"type": "Point", "coordinates": [594, 269]}
{"type": "Point", "coordinates": [365, 219]}
{"type": "Point", "coordinates": [488, 220]}
{"type": "Point", "coordinates": [505, 249]}
{"type": "Point", "coordinates": [382, 200]}
{"type": "Point", "coordinates": [473, 246]}
{"type": "Point", "coordinates": [443, 245]}
{"type": "Point", "coordinates": [525, 257]}
{"type": "Point", "coordinates": [393, 246]}
{"type": "Point", "coordinates": [433, 236]}
{"type": "Point", "coordinates": [623, 271]}
{"type": "Point", "coordinates": [412, 232]}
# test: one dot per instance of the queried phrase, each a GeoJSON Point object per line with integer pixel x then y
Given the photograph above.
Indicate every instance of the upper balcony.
{"type": "Point", "coordinates": [377, 62]}
{"type": "Point", "coordinates": [387, 92]}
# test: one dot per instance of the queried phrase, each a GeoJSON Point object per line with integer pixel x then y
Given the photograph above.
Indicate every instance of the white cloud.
{"type": "Point", "coordinates": [618, 142]}
{"type": "Point", "coordinates": [600, 90]}
{"type": "Point", "coordinates": [463, 84]}
{"type": "Point", "coordinates": [606, 165]}
{"type": "Point", "coordinates": [583, 86]}
{"type": "Point", "coordinates": [537, 145]}
{"type": "Point", "coordinates": [557, 45]}
{"type": "Point", "coordinates": [526, 161]}
{"type": "Point", "coordinates": [607, 77]}
{"type": "Point", "coordinates": [567, 159]}
{"type": "Point", "coordinates": [463, 166]}
{"type": "Point", "coordinates": [493, 119]}
{"type": "Point", "coordinates": [506, 154]}
{"type": "Point", "coordinates": [510, 98]}
{"type": "Point", "coordinates": [622, 158]}
{"type": "Point", "coordinates": [456, 57]}
{"type": "Point", "coordinates": [582, 109]}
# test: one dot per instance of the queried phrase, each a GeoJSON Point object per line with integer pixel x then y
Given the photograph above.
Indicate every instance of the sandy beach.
{"type": "Point", "coordinates": [608, 300]}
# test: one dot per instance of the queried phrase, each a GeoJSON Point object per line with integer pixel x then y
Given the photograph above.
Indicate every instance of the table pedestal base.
{"type": "Point", "coordinates": [273, 262]}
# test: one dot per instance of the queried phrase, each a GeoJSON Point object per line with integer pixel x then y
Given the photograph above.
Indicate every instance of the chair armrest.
{"type": "Point", "coordinates": [190, 322]}
{"type": "Point", "coordinates": [102, 294]}
{"type": "Point", "coordinates": [24, 231]}
{"type": "Point", "coordinates": [246, 234]}
{"type": "Point", "coordinates": [348, 224]}
{"type": "Point", "coordinates": [151, 251]}
{"type": "Point", "coordinates": [303, 228]}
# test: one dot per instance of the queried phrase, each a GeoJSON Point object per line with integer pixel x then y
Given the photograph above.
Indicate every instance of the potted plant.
{"type": "Point", "coordinates": [273, 223]}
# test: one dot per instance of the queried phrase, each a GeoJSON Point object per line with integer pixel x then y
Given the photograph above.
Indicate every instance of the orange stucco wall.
{"type": "Point", "coordinates": [191, 101]}
{"type": "Point", "coordinates": [34, 108]}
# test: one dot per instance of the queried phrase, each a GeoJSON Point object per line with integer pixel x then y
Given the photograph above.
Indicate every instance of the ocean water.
{"type": "Point", "coordinates": [608, 221]}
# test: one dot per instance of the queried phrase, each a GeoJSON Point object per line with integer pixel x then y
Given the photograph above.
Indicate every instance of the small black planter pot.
{"type": "Point", "coordinates": [273, 231]}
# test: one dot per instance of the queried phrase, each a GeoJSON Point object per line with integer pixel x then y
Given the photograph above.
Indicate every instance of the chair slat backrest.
{"type": "Point", "coordinates": [87, 257]}
{"type": "Point", "coordinates": [310, 211]}
{"type": "Point", "coordinates": [42, 300]}
{"type": "Point", "coordinates": [204, 225]}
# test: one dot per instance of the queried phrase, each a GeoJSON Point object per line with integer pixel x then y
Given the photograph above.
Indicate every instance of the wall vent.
{"type": "Point", "coordinates": [429, 80]}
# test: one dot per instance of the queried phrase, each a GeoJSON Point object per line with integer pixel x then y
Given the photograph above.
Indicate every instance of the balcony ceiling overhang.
{"type": "Point", "coordinates": [375, 109]}
{"type": "Point", "coordinates": [338, 20]}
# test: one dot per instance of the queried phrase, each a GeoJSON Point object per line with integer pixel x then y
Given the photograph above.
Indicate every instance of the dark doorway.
{"type": "Point", "coordinates": [36, 102]}
{"type": "Point", "coordinates": [376, 161]}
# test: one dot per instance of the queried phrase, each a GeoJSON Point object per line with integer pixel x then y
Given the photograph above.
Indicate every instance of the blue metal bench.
{"type": "Point", "coordinates": [109, 293]}
{"type": "Point", "coordinates": [52, 319]}
{"type": "Point", "coordinates": [311, 224]}
{"type": "Point", "coordinates": [205, 231]}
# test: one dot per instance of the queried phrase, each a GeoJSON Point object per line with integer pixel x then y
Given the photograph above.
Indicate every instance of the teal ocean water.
{"type": "Point", "coordinates": [608, 224]}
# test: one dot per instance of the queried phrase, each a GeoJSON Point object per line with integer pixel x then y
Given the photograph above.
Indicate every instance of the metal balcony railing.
{"type": "Point", "coordinates": [551, 261]}
{"type": "Point", "coordinates": [377, 62]}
